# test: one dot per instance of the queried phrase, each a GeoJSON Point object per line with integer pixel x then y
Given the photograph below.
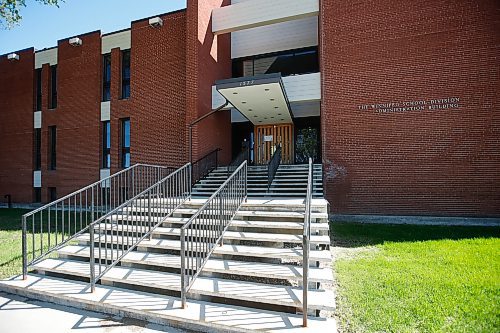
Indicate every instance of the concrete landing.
{"type": "Point", "coordinates": [159, 309]}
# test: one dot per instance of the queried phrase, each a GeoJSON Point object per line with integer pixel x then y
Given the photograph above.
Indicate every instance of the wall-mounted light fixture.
{"type": "Point", "coordinates": [13, 56]}
{"type": "Point", "coordinates": [75, 41]}
{"type": "Point", "coordinates": [156, 22]}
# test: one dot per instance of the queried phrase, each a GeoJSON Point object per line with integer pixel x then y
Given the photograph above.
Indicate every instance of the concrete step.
{"type": "Point", "coordinates": [224, 268]}
{"type": "Point", "coordinates": [278, 214]}
{"type": "Point", "coordinates": [198, 316]}
{"type": "Point", "coordinates": [203, 288]}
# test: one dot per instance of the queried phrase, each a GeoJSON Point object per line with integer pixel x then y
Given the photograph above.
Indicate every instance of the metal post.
{"type": "Point", "coordinates": [92, 259]}
{"type": "Point", "coordinates": [25, 250]}
{"type": "Point", "coordinates": [183, 269]}
{"type": "Point", "coordinates": [149, 213]}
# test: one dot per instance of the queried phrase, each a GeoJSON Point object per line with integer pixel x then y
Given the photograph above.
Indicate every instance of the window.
{"type": "Point", "coordinates": [37, 195]}
{"type": "Point", "coordinates": [287, 63]}
{"type": "Point", "coordinates": [53, 87]}
{"type": "Point", "coordinates": [38, 78]}
{"type": "Point", "coordinates": [126, 74]}
{"type": "Point", "coordinates": [125, 143]}
{"type": "Point", "coordinates": [52, 194]}
{"type": "Point", "coordinates": [52, 147]}
{"type": "Point", "coordinates": [37, 144]}
{"type": "Point", "coordinates": [106, 78]}
{"type": "Point", "coordinates": [106, 145]}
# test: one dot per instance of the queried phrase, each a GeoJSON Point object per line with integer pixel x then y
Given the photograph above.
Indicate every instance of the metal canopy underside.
{"type": "Point", "coordinates": [261, 99]}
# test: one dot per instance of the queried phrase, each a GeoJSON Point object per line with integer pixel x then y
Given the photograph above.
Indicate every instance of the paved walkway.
{"type": "Point", "coordinates": [20, 314]}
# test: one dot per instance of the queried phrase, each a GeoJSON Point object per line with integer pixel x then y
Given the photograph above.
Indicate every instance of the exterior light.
{"type": "Point", "coordinates": [13, 56]}
{"type": "Point", "coordinates": [75, 41]}
{"type": "Point", "coordinates": [156, 22]}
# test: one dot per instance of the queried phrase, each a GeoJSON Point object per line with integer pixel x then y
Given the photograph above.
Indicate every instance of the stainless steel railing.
{"type": "Point", "coordinates": [205, 229]}
{"type": "Point", "coordinates": [273, 165]}
{"type": "Point", "coordinates": [306, 242]}
{"type": "Point", "coordinates": [54, 225]}
{"type": "Point", "coordinates": [120, 230]}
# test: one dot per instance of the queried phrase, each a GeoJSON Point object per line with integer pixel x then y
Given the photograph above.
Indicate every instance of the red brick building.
{"type": "Point", "coordinates": [397, 99]}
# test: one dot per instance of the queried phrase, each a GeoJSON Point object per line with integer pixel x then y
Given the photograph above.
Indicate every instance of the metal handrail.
{"type": "Point", "coordinates": [244, 155]}
{"type": "Point", "coordinates": [306, 242]}
{"type": "Point", "coordinates": [55, 224]}
{"type": "Point", "coordinates": [273, 165]}
{"type": "Point", "coordinates": [205, 229]}
{"type": "Point", "coordinates": [204, 165]}
{"type": "Point", "coordinates": [139, 216]}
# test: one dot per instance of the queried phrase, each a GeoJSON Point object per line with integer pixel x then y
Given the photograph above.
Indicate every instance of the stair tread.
{"type": "Point", "coordinates": [213, 265]}
{"type": "Point", "coordinates": [240, 290]}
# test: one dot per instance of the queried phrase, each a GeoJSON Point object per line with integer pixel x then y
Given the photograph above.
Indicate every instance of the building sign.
{"type": "Point", "coordinates": [268, 138]}
{"type": "Point", "coordinates": [419, 105]}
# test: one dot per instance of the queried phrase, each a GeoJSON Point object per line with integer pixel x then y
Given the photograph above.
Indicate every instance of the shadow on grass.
{"type": "Point", "coordinates": [345, 234]}
{"type": "Point", "coordinates": [10, 218]}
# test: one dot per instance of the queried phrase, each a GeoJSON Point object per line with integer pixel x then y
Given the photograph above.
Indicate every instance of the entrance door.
{"type": "Point", "coordinates": [266, 138]}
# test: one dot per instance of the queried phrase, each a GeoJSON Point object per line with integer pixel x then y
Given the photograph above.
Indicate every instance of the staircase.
{"type": "Point", "coordinates": [290, 181]}
{"type": "Point", "coordinates": [253, 281]}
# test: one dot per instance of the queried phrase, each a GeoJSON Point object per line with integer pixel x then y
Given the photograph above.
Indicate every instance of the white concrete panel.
{"type": "Point", "coordinates": [305, 109]}
{"type": "Point", "coordinates": [305, 87]}
{"type": "Point", "coordinates": [120, 39]}
{"type": "Point", "coordinates": [105, 111]}
{"type": "Point", "coordinates": [37, 119]}
{"type": "Point", "coordinates": [105, 173]}
{"type": "Point", "coordinates": [237, 117]}
{"type": "Point", "coordinates": [218, 99]}
{"type": "Point", "coordinates": [37, 179]}
{"type": "Point", "coordinates": [274, 38]}
{"type": "Point", "coordinates": [46, 57]}
{"type": "Point", "coordinates": [256, 13]}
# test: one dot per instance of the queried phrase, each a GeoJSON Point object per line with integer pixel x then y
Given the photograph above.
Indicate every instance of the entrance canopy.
{"type": "Point", "coordinates": [261, 99]}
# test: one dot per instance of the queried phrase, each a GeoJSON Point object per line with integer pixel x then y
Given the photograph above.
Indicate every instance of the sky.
{"type": "Point", "coordinates": [42, 26]}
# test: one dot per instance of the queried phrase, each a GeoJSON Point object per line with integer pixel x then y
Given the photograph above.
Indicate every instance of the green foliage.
{"type": "Point", "coordinates": [418, 278]}
{"type": "Point", "coordinates": [10, 12]}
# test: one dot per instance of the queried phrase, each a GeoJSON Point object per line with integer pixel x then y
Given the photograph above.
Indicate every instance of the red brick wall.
{"type": "Point", "coordinates": [16, 126]}
{"type": "Point", "coordinates": [76, 116]}
{"type": "Point", "coordinates": [208, 60]}
{"type": "Point", "coordinates": [431, 162]}
{"type": "Point", "coordinates": [156, 106]}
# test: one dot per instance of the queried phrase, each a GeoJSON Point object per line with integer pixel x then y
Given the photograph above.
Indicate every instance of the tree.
{"type": "Point", "coordinates": [10, 14]}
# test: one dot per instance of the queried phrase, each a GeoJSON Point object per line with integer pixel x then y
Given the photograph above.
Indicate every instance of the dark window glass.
{"type": "Point", "coordinates": [37, 149]}
{"type": "Point", "coordinates": [106, 145]}
{"type": "Point", "coordinates": [53, 87]}
{"type": "Point", "coordinates": [52, 147]}
{"type": "Point", "coordinates": [126, 74]}
{"type": "Point", "coordinates": [52, 194]}
{"type": "Point", "coordinates": [106, 78]}
{"type": "Point", "coordinates": [38, 106]}
{"type": "Point", "coordinates": [287, 63]}
{"type": "Point", "coordinates": [37, 195]}
{"type": "Point", "coordinates": [125, 143]}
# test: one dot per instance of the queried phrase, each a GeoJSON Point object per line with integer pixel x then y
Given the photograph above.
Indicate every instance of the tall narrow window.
{"type": "Point", "coordinates": [125, 143]}
{"type": "Point", "coordinates": [52, 194]}
{"type": "Point", "coordinates": [52, 147]}
{"type": "Point", "coordinates": [37, 195]}
{"type": "Point", "coordinates": [38, 106]}
{"type": "Point", "coordinates": [106, 78]}
{"type": "Point", "coordinates": [126, 74]}
{"type": "Point", "coordinates": [53, 86]}
{"type": "Point", "coordinates": [106, 145]}
{"type": "Point", "coordinates": [37, 140]}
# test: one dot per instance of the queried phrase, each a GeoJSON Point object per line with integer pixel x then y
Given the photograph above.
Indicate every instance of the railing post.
{"type": "Point", "coordinates": [92, 259]}
{"type": "Point", "coordinates": [183, 269]}
{"type": "Point", "coordinates": [149, 213]}
{"type": "Point", "coordinates": [25, 249]}
{"type": "Point", "coordinates": [221, 220]}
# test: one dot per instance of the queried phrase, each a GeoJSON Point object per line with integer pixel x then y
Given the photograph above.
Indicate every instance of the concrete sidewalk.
{"type": "Point", "coordinates": [20, 314]}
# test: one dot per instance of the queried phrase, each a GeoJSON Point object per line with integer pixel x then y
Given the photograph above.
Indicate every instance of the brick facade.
{"type": "Point", "coordinates": [16, 127]}
{"type": "Point", "coordinates": [431, 162]}
{"type": "Point", "coordinates": [386, 159]}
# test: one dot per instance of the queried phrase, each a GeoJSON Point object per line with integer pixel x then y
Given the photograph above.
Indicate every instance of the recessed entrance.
{"type": "Point", "coordinates": [267, 137]}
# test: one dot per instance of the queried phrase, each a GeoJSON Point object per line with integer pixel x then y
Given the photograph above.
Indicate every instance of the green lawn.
{"type": "Point", "coordinates": [400, 278]}
{"type": "Point", "coordinates": [10, 242]}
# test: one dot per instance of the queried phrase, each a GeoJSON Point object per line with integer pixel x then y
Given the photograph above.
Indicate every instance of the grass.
{"type": "Point", "coordinates": [400, 278]}
{"type": "Point", "coordinates": [10, 242]}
